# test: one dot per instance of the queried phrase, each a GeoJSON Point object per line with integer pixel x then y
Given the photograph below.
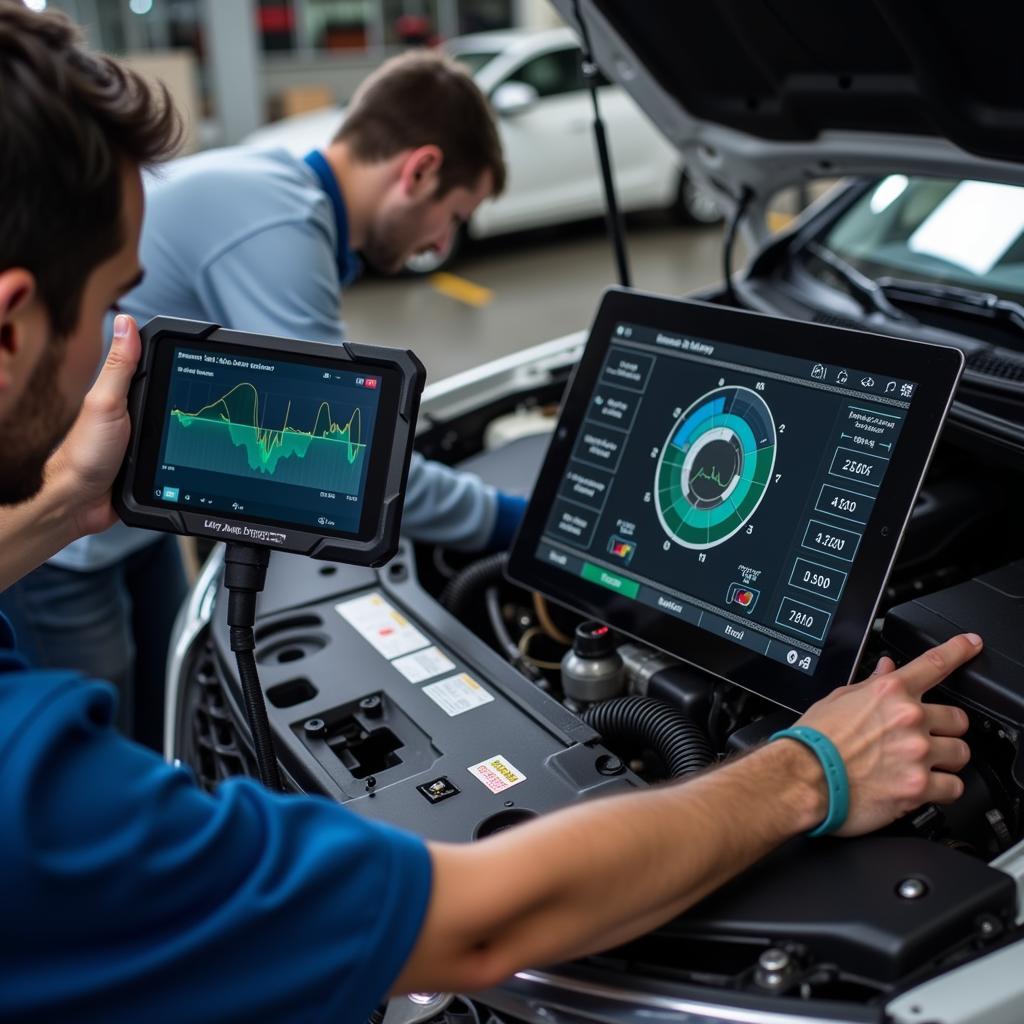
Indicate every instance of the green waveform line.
{"type": "Point", "coordinates": [238, 410]}
{"type": "Point", "coordinates": [713, 476]}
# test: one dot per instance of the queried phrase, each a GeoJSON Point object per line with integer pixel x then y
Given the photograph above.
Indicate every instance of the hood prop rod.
{"type": "Point", "coordinates": [616, 228]}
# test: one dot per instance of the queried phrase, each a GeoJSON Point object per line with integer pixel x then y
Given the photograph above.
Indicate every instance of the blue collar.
{"type": "Point", "coordinates": [350, 266]}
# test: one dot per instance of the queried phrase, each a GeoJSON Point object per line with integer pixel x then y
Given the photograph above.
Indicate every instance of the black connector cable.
{"type": "Point", "coordinates": [245, 573]}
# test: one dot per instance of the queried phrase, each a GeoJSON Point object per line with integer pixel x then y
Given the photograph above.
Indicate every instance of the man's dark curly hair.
{"type": "Point", "coordinates": [69, 122]}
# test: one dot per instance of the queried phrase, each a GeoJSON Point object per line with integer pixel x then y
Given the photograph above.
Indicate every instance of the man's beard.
{"type": "Point", "coordinates": [386, 248]}
{"type": "Point", "coordinates": [33, 428]}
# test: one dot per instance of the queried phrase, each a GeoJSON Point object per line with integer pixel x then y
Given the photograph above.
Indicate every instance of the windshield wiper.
{"type": "Point", "coordinates": [862, 287]}
{"type": "Point", "coordinates": [949, 298]}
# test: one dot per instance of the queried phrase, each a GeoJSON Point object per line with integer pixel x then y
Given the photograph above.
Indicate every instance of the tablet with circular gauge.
{"type": "Point", "coordinates": [733, 488]}
{"type": "Point", "coordinates": [715, 466]}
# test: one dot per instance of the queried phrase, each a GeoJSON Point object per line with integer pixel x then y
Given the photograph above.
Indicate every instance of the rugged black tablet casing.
{"type": "Point", "coordinates": [373, 551]}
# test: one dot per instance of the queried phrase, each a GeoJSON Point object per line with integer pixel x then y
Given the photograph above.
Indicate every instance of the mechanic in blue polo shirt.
{"type": "Point", "coordinates": [264, 242]}
{"type": "Point", "coordinates": [128, 894]}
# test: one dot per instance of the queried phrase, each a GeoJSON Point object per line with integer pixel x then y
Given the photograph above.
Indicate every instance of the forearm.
{"type": "Point", "coordinates": [36, 529]}
{"type": "Point", "coordinates": [601, 873]}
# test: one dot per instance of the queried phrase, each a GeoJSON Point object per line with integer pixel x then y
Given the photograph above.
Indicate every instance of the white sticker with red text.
{"type": "Point", "coordinates": [497, 773]}
{"type": "Point", "coordinates": [381, 625]}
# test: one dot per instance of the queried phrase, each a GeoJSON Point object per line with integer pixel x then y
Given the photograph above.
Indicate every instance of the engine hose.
{"type": "Point", "coordinates": [508, 646]}
{"type": "Point", "coordinates": [669, 732]}
{"type": "Point", "coordinates": [465, 587]}
{"type": "Point", "coordinates": [498, 627]}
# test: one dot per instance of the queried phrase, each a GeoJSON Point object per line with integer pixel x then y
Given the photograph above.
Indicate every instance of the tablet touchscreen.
{"type": "Point", "coordinates": [732, 488]}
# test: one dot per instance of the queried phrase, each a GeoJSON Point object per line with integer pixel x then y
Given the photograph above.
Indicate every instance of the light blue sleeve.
{"type": "Point", "coordinates": [448, 507]}
{"type": "Point", "coordinates": [278, 280]}
{"type": "Point", "coordinates": [269, 284]}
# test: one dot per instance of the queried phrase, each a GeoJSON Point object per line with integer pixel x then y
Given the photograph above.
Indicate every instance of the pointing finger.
{"type": "Point", "coordinates": [930, 668]}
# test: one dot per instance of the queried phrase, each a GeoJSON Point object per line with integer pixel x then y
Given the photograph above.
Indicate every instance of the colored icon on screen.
{"type": "Point", "coordinates": [745, 597]}
{"type": "Point", "coordinates": [619, 547]}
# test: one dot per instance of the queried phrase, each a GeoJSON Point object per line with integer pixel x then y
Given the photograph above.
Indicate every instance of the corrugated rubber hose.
{"type": "Point", "coordinates": [466, 587]}
{"type": "Point", "coordinates": [657, 725]}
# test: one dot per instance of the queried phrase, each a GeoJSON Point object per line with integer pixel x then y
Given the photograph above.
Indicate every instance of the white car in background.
{"type": "Point", "coordinates": [536, 87]}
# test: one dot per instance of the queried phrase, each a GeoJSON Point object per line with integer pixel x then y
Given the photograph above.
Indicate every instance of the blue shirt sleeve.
{"type": "Point", "coordinates": [131, 895]}
{"type": "Point", "coordinates": [511, 509]}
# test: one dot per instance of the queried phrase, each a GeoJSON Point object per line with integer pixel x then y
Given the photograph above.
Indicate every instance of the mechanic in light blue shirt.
{"type": "Point", "coordinates": [263, 242]}
{"type": "Point", "coordinates": [130, 895]}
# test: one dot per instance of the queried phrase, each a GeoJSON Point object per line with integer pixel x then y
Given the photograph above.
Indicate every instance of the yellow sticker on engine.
{"type": "Point", "coordinates": [497, 773]}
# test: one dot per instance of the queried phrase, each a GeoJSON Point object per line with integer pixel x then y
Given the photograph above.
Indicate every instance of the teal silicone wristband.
{"type": "Point", "coordinates": [835, 775]}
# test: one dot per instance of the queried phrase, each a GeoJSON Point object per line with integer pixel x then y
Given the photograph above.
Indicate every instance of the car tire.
{"type": "Point", "coordinates": [695, 204]}
{"type": "Point", "coordinates": [431, 262]}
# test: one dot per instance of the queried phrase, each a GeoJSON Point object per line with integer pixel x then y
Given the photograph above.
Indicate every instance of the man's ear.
{"type": "Point", "coordinates": [17, 293]}
{"type": "Point", "coordinates": [420, 170]}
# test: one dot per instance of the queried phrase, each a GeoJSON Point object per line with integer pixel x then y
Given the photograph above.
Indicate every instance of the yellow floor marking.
{"type": "Point", "coordinates": [461, 290]}
{"type": "Point", "coordinates": [777, 220]}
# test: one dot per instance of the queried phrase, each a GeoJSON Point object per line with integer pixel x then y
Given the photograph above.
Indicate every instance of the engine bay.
{"type": "Point", "coordinates": [435, 694]}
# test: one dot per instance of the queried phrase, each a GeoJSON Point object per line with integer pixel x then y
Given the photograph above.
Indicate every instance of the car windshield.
{"type": "Point", "coordinates": [963, 233]}
{"type": "Point", "coordinates": [476, 59]}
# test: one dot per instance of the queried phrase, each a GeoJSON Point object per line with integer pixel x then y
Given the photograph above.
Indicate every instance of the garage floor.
{"type": "Point", "coordinates": [508, 293]}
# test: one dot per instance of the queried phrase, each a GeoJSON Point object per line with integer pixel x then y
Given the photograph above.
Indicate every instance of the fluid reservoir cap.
{"type": "Point", "coordinates": [593, 640]}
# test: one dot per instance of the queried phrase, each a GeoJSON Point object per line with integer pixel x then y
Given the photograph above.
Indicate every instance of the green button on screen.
{"type": "Point", "coordinates": [609, 580]}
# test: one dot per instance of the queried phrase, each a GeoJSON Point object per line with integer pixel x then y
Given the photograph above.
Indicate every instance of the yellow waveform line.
{"type": "Point", "coordinates": [268, 439]}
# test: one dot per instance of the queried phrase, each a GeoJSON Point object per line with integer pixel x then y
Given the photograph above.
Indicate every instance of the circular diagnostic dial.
{"type": "Point", "coordinates": [715, 467]}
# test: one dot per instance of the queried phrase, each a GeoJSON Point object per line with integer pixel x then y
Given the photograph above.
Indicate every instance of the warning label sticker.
{"type": "Point", "coordinates": [457, 694]}
{"type": "Point", "coordinates": [377, 622]}
{"type": "Point", "coordinates": [497, 773]}
{"type": "Point", "coordinates": [424, 664]}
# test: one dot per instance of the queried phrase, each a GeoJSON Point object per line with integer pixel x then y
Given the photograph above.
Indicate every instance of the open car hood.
{"type": "Point", "coordinates": [762, 94]}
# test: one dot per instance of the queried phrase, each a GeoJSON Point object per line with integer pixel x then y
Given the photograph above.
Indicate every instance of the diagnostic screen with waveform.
{"type": "Point", "coordinates": [269, 436]}
{"type": "Point", "coordinates": [312, 446]}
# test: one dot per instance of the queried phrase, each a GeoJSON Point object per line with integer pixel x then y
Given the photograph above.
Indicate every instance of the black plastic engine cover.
{"type": "Point", "coordinates": [992, 605]}
{"type": "Point", "coordinates": [447, 758]}
{"type": "Point", "coordinates": [839, 899]}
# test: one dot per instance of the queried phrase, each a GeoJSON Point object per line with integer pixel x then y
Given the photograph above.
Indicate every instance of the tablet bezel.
{"type": "Point", "coordinates": [377, 537]}
{"type": "Point", "coordinates": [935, 369]}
